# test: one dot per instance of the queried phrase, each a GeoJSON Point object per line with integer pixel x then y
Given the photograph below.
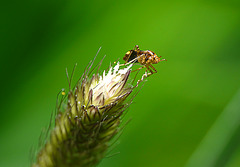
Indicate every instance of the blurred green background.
{"type": "Point", "coordinates": [176, 107]}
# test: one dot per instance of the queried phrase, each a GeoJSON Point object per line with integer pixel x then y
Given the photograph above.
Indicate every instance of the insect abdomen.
{"type": "Point", "coordinates": [130, 55]}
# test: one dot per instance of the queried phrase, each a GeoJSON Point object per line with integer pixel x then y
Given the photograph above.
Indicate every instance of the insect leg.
{"type": "Point", "coordinates": [151, 71]}
{"type": "Point", "coordinates": [138, 69]}
{"type": "Point", "coordinates": [155, 71]}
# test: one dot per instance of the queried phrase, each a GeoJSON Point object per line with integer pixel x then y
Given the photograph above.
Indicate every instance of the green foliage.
{"type": "Point", "coordinates": [200, 40]}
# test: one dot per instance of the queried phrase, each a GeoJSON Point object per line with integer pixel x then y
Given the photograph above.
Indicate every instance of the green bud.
{"type": "Point", "coordinates": [82, 131]}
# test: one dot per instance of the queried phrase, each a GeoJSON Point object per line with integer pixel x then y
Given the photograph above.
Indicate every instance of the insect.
{"type": "Point", "coordinates": [144, 57]}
